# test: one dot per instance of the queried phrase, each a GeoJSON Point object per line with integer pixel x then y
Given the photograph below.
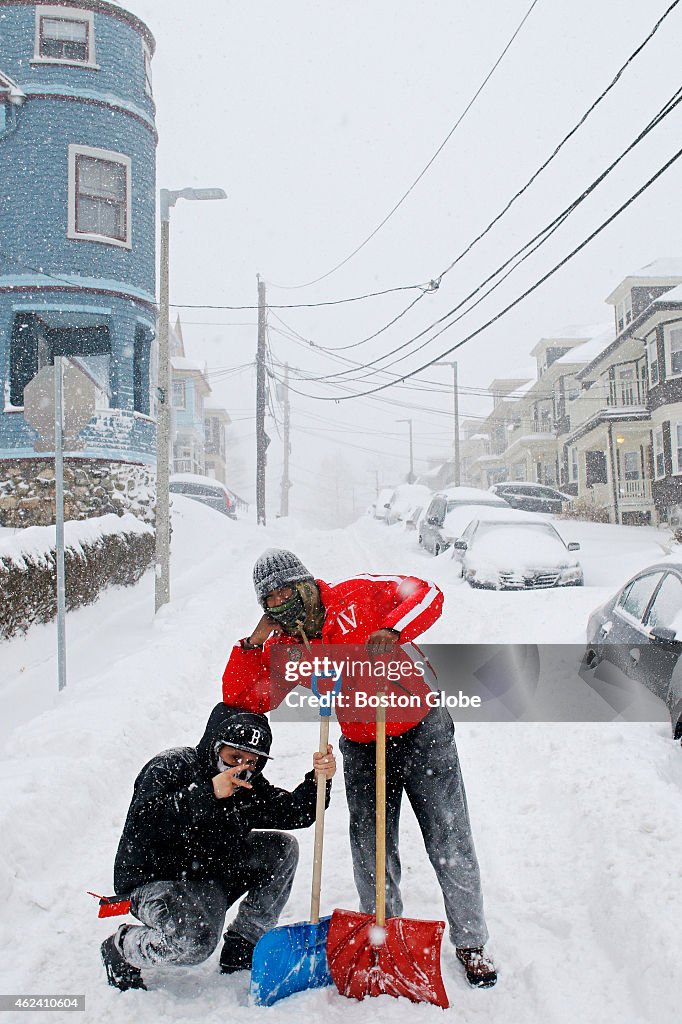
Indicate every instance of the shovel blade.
{"type": "Point", "coordinates": [402, 959]}
{"type": "Point", "coordinates": [292, 958]}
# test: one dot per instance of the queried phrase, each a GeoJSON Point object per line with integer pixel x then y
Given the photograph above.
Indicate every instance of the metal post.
{"type": "Point", "coordinates": [261, 443]}
{"type": "Point", "coordinates": [411, 480]}
{"type": "Point", "coordinates": [456, 407]}
{"type": "Point", "coordinates": [162, 581]}
{"type": "Point", "coordinates": [59, 516]}
{"type": "Point", "coordinates": [286, 483]}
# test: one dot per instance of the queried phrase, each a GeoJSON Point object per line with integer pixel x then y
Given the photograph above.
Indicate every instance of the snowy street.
{"type": "Point", "coordinates": [577, 826]}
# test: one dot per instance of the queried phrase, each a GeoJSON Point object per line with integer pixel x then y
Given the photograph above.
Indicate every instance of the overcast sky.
{"type": "Point", "coordinates": [316, 117]}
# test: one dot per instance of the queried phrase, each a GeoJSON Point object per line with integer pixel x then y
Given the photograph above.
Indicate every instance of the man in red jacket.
{"type": "Point", "coordinates": [422, 759]}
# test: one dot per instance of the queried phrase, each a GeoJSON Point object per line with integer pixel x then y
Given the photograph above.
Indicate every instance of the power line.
{"type": "Point", "coordinates": [666, 166]}
{"type": "Point", "coordinates": [308, 305]}
{"type": "Point", "coordinates": [435, 283]}
{"type": "Point", "coordinates": [536, 242]}
{"type": "Point", "coordinates": [421, 174]}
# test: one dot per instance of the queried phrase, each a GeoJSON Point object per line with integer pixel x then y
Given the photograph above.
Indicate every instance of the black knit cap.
{"type": "Point", "coordinates": [277, 568]}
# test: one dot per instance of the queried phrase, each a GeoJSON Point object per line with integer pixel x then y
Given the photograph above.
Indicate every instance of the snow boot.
{"type": "Point", "coordinates": [478, 967]}
{"type": "Point", "coordinates": [120, 973]}
{"type": "Point", "coordinates": [237, 954]}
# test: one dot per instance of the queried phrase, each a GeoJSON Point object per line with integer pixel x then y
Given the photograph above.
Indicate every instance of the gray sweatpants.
{"type": "Point", "coordinates": [182, 921]}
{"type": "Point", "coordinates": [424, 763]}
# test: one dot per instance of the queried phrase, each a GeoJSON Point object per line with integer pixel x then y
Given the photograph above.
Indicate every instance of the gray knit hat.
{"type": "Point", "coordinates": [277, 568]}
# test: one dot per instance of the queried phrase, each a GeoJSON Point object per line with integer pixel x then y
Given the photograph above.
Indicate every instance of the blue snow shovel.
{"type": "Point", "coordinates": [293, 958]}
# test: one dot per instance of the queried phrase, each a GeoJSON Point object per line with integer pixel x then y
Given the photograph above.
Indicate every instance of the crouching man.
{"type": "Point", "coordinates": [188, 852]}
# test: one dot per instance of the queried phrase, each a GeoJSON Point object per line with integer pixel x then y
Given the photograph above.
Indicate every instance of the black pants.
{"type": "Point", "coordinates": [423, 762]}
{"type": "Point", "coordinates": [182, 921]}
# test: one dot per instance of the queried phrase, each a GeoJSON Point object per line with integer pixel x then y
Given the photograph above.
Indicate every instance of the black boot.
{"type": "Point", "coordinates": [120, 973]}
{"type": "Point", "coordinates": [237, 954]}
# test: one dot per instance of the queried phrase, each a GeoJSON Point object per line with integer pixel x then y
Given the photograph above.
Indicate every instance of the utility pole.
{"type": "Point", "coordinates": [455, 393]}
{"type": "Point", "coordinates": [286, 482]}
{"type": "Point", "coordinates": [261, 437]}
{"type": "Point", "coordinates": [410, 478]}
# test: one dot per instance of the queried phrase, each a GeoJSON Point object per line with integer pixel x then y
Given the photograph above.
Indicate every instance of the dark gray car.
{"type": "Point", "coordinates": [532, 497]}
{"type": "Point", "coordinates": [639, 631]}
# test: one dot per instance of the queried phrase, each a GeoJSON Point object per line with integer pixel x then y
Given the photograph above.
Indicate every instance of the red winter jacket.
{"type": "Point", "coordinates": [355, 608]}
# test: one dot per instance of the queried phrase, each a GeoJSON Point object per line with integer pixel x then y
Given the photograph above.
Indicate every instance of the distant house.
{"type": "Point", "coordinates": [216, 421]}
{"type": "Point", "coordinates": [77, 246]}
{"type": "Point", "coordinates": [198, 427]}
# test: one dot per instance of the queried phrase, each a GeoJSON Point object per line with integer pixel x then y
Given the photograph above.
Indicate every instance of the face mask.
{"type": "Point", "coordinates": [289, 613]}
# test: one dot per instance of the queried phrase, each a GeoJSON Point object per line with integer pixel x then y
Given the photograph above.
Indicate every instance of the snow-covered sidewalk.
{"type": "Point", "coordinates": [577, 826]}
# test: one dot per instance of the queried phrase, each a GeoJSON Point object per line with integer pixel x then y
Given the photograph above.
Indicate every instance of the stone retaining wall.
{"type": "Point", "coordinates": [92, 487]}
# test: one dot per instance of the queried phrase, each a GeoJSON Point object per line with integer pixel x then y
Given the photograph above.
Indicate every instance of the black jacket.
{"type": "Point", "coordinates": [177, 829]}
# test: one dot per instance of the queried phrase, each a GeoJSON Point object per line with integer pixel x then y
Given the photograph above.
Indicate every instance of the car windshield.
{"type": "Point", "coordinates": [539, 529]}
{"type": "Point", "coordinates": [488, 502]}
{"type": "Point", "coordinates": [203, 490]}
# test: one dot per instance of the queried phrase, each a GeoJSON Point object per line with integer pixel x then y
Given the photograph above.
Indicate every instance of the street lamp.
{"type": "Point", "coordinates": [456, 415]}
{"type": "Point", "coordinates": [168, 198]}
{"type": "Point", "coordinates": [410, 478]}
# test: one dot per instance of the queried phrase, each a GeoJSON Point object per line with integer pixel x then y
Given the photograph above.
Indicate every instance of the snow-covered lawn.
{"type": "Point", "coordinates": [577, 826]}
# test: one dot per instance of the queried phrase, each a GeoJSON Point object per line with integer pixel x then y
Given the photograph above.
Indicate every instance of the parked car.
{"type": "Point", "coordinates": [404, 500]}
{"type": "Point", "coordinates": [206, 490]}
{"type": "Point", "coordinates": [382, 504]}
{"type": "Point", "coordinates": [433, 533]}
{"type": "Point", "coordinates": [639, 630]}
{"type": "Point", "coordinates": [509, 554]}
{"type": "Point", "coordinates": [531, 497]}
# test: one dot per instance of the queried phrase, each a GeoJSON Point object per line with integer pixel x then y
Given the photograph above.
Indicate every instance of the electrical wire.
{"type": "Point", "coordinates": [528, 249]}
{"type": "Point", "coordinates": [421, 174]}
{"type": "Point", "coordinates": [545, 277]}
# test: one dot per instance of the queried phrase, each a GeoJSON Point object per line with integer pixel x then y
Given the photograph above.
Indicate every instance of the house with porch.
{"type": "Point", "coordinates": [624, 425]}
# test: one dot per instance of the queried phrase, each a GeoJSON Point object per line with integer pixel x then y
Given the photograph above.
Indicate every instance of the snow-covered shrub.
{"type": "Point", "coordinates": [101, 552]}
{"type": "Point", "coordinates": [581, 508]}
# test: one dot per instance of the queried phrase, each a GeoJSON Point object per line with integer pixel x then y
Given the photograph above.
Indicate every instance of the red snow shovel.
{"type": "Point", "coordinates": [370, 956]}
{"type": "Point", "coordinates": [293, 958]}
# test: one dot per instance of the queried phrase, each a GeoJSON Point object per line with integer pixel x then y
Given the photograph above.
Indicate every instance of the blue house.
{"type": "Point", "coordinates": [77, 246]}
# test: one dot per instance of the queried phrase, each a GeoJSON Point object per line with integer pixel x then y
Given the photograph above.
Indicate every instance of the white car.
{"type": "Point", "coordinates": [516, 555]}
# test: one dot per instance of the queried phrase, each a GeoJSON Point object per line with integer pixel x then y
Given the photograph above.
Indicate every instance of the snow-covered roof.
{"type": "Point", "coordinates": [181, 363]}
{"type": "Point", "coordinates": [16, 94]}
{"type": "Point", "coordinates": [674, 295]}
{"type": "Point", "coordinates": [589, 350]}
{"type": "Point", "coordinates": [666, 266]}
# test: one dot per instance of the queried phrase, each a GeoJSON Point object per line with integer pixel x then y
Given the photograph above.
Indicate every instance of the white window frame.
{"type": "Point", "coordinates": [652, 343]}
{"type": "Point", "coordinates": [65, 14]}
{"type": "Point", "coordinates": [675, 432]}
{"type": "Point", "coordinates": [182, 387]}
{"type": "Point", "coordinates": [111, 157]}
{"type": "Point", "coordinates": [658, 450]}
{"type": "Point", "coordinates": [669, 351]}
{"type": "Point", "coordinates": [573, 464]}
{"type": "Point", "coordinates": [147, 62]}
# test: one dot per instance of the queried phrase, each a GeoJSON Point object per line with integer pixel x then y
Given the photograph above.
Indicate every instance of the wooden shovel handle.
{"type": "Point", "coordinates": [381, 817]}
{"type": "Point", "coordinates": [319, 827]}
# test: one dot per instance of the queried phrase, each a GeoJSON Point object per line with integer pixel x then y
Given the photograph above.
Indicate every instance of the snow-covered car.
{"type": "Point", "coordinates": [532, 497]}
{"type": "Point", "coordinates": [433, 534]}
{"type": "Point", "coordinates": [516, 555]}
{"type": "Point", "coordinates": [206, 490]}
{"type": "Point", "coordinates": [404, 500]}
{"type": "Point", "coordinates": [639, 631]}
{"type": "Point", "coordinates": [382, 504]}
